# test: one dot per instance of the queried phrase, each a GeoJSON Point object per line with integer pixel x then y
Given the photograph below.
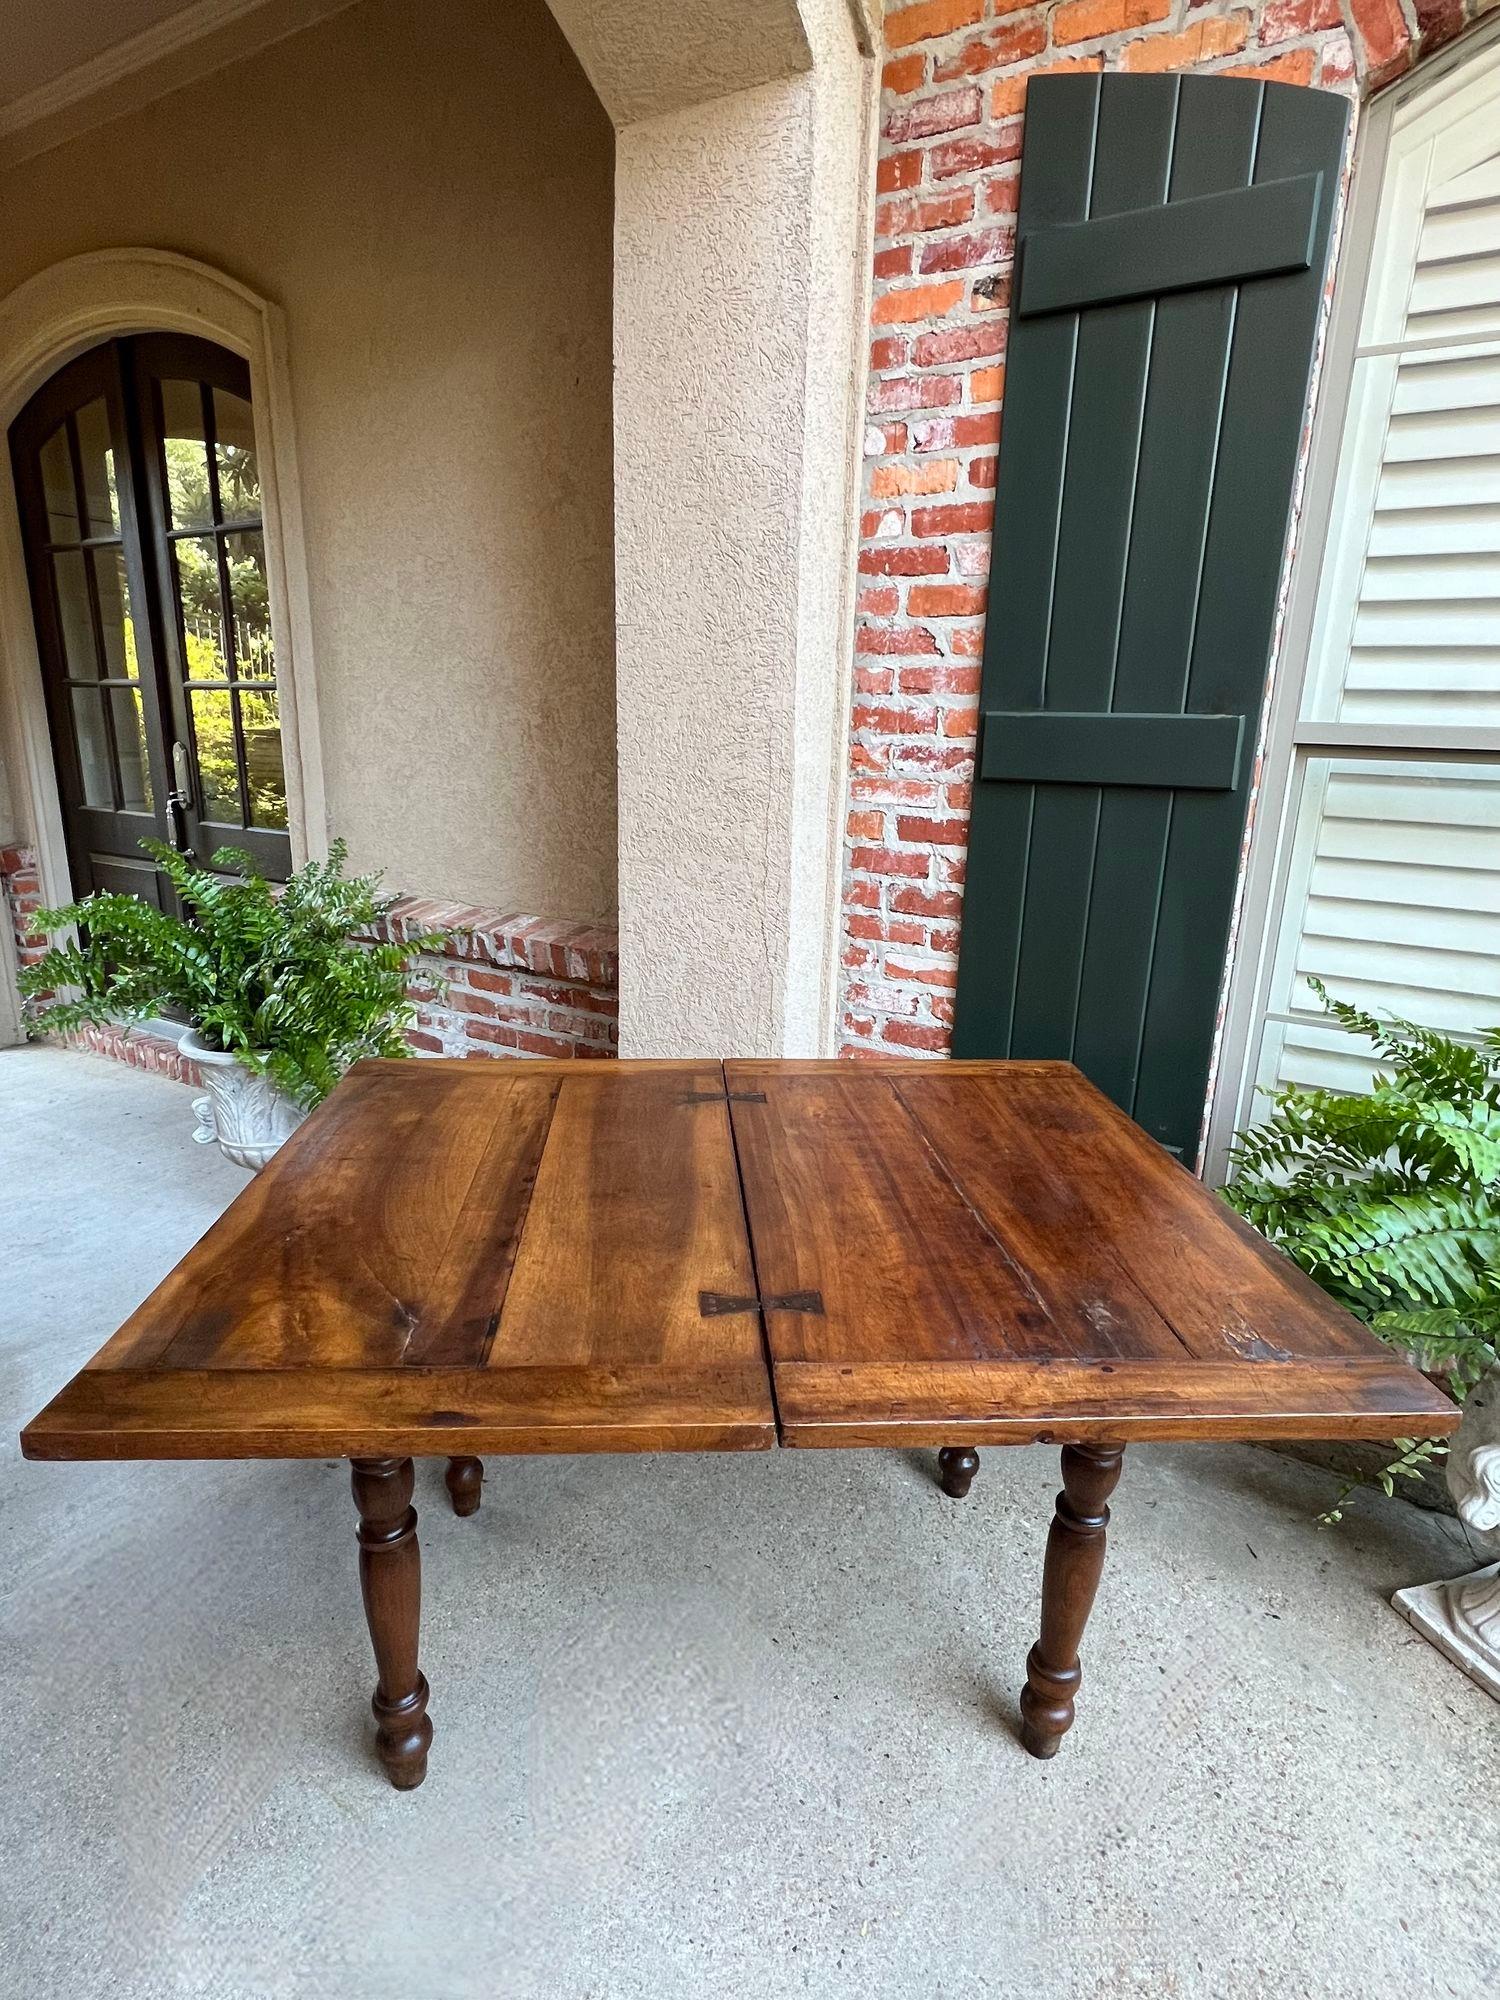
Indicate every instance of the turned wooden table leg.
{"type": "Point", "coordinates": [1070, 1577]}
{"type": "Point", "coordinates": [390, 1577]}
{"type": "Point", "coordinates": [957, 1464]}
{"type": "Point", "coordinates": [464, 1478]}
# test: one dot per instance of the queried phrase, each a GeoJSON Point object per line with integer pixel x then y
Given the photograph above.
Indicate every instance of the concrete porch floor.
{"type": "Point", "coordinates": [704, 1726]}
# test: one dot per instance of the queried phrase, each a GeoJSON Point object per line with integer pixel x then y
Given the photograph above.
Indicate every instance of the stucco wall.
{"type": "Point", "coordinates": [742, 246]}
{"type": "Point", "coordinates": [433, 212]}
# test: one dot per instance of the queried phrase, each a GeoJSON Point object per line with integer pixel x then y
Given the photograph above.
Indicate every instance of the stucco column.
{"type": "Point", "coordinates": [744, 136]}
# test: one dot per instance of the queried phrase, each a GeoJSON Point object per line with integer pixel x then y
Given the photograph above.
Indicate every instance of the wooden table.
{"type": "Point", "coordinates": [463, 1258]}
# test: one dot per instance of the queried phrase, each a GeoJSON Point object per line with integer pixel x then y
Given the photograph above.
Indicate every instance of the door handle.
{"type": "Point", "coordinates": [179, 799]}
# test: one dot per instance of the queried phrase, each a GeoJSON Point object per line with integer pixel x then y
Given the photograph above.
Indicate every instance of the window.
{"type": "Point", "coordinates": [140, 500]}
{"type": "Point", "coordinates": [1376, 859]}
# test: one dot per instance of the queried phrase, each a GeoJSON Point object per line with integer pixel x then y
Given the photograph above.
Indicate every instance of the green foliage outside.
{"type": "Point", "coordinates": [202, 617]}
{"type": "Point", "coordinates": [213, 735]}
{"type": "Point", "coordinates": [1391, 1200]}
{"type": "Point", "coordinates": [274, 975]}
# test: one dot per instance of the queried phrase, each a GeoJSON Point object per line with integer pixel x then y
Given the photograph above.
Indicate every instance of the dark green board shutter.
{"type": "Point", "coordinates": [1172, 246]}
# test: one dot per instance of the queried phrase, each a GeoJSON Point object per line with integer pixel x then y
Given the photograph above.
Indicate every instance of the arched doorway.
{"type": "Point", "coordinates": [139, 494]}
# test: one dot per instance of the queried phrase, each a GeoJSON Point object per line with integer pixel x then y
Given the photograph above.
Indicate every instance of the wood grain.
{"type": "Point", "coordinates": [1004, 1257]}
{"type": "Point", "coordinates": [636, 1212]}
{"type": "Point", "coordinates": [381, 1235]}
{"type": "Point", "coordinates": [841, 1196]}
{"type": "Point", "coordinates": [403, 1412]}
{"type": "Point", "coordinates": [1029, 1402]}
{"type": "Point", "coordinates": [390, 1582]}
{"type": "Point", "coordinates": [1070, 1580]}
{"type": "Point", "coordinates": [454, 1258]}
{"type": "Point", "coordinates": [1222, 1289]}
{"type": "Point", "coordinates": [461, 1259]}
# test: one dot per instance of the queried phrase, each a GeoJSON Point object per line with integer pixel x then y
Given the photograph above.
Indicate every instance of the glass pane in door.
{"type": "Point", "coordinates": [92, 746]}
{"type": "Point", "coordinates": [195, 563]}
{"type": "Point", "coordinates": [130, 747]}
{"type": "Point", "coordinates": [57, 487]}
{"type": "Point", "coordinates": [260, 712]}
{"type": "Point", "coordinates": [250, 603]}
{"type": "Point", "coordinates": [75, 619]}
{"type": "Point", "coordinates": [96, 453]}
{"type": "Point", "coordinates": [218, 766]}
{"type": "Point", "coordinates": [188, 502]}
{"type": "Point", "coordinates": [234, 455]}
{"type": "Point", "coordinates": [116, 620]}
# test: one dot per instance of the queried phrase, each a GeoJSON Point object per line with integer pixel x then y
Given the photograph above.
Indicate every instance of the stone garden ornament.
{"type": "Point", "coordinates": [1462, 1617]}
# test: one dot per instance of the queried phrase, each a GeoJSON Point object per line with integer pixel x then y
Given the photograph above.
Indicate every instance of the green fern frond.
{"type": "Point", "coordinates": [288, 979]}
{"type": "Point", "coordinates": [1420, 1055]}
{"type": "Point", "coordinates": [1416, 1457]}
{"type": "Point", "coordinates": [1451, 1341]}
{"type": "Point", "coordinates": [1432, 1244]}
{"type": "Point", "coordinates": [1390, 1199]}
{"type": "Point", "coordinates": [1472, 1133]}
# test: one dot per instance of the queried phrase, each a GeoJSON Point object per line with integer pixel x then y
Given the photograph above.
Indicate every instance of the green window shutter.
{"type": "Point", "coordinates": [1173, 241]}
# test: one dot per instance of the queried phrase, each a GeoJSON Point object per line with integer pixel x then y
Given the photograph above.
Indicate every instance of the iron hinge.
{"type": "Point", "coordinates": [712, 1304]}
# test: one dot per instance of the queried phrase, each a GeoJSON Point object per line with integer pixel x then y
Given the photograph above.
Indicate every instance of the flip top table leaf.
{"type": "Point", "coordinates": [453, 1257]}
{"type": "Point", "coordinates": [462, 1259]}
{"type": "Point", "coordinates": [1004, 1257]}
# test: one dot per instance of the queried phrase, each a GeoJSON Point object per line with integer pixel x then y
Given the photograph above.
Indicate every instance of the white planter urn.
{"type": "Point", "coordinates": [244, 1111]}
{"type": "Point", "coordinates": [1462, 1618]}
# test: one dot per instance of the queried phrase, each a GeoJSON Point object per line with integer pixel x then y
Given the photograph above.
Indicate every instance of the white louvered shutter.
{"type": "Point", "coordinates": [1388, 879]}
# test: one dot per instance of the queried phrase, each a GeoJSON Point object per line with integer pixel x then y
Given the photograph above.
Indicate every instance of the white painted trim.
{"type": "Point", "coordinates": [824, 702]}
{"type": "Point", "coordinates": [121, 59]}
{"type": "Point", "coordinates": [189, 45]}
{"type": "Point", "coordinates": [1383, 739]}
{"type": "Point", "coordinates": [12, 1029]}
{"type": "Point", "coordinates": [44, 323]}
{"type": "Point", "coordinates": [1258, 939]}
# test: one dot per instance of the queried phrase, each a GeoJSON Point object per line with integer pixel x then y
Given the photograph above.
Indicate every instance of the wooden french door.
{"type": "Point", "coordinates": [139, 493]}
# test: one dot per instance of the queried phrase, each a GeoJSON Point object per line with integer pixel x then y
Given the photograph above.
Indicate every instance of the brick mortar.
{"type": "Point", "coordinates": [952, 116]}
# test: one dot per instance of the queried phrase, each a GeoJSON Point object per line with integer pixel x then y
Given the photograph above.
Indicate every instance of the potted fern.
{"type": "Point", "coordinates": [1391, 1200]}
{"type": "Point", "coordinates": [282, 987]}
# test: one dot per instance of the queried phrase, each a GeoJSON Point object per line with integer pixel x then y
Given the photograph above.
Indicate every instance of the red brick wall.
{"type": "Point", "coordinates": [952, 115]}
{"type": "Point", "coordinates": [511, 986]}
{"type": "Point", "coordinates": [20, 893]}
{"type": "Point", "coordinates": [138, 1048]}
{"type": "Point", "coordinates": [503, 986]}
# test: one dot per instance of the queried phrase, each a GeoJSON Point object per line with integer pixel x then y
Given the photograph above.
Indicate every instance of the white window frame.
{"type": "Point", "coordinates": [1293, 743]}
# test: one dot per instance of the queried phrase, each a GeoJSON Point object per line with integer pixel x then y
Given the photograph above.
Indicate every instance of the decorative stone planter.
{"type": "Point", "coordinates": [1462, 1616]}
{"type": "Point", "coordinates": [244, 1111]}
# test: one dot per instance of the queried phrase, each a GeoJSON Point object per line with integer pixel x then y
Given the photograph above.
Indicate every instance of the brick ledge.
{"type": "Point", "coordinates": [138, 1047]}
{"type": "Point", "coordinates": [505, 984]}
{"type": "Point", "coordinates": [587, 954]}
